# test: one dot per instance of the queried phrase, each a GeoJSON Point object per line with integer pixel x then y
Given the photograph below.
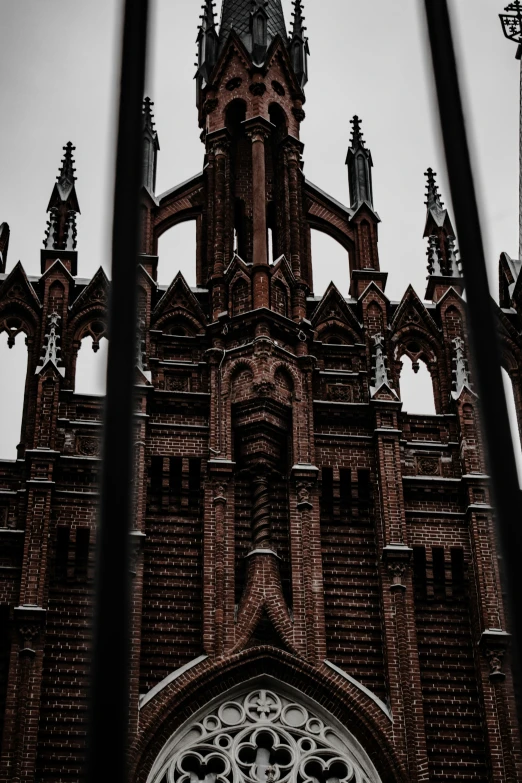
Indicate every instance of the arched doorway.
{"type": "Point", "coordinates": [263, 731]}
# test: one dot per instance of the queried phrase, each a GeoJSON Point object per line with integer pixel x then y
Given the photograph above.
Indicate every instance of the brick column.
{"type": "Point", "coordinates": [293, 150]}
{"type": "Point", "coordinates": [218, 558]}
{"type": "Point", "coordinates": [397, 596]}
{"type": "Point", "coordinates": [258, 129]}
{"type": "Point", "coordinates": [218, 146]}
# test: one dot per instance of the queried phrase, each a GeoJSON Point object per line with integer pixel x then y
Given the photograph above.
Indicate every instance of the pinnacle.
{"type": "Point", "coordinates": [148, 114]}
{"type": "Point", "coordinates": [298, 27]}
{"type": "Point", "coordinates": [208, 17]}
{"type": "Point", "coordinates": [357, 137]}
{"type": "Point", "coordinates": [67, 170]}
{"type": "Point", "coordinates": [433, 199]}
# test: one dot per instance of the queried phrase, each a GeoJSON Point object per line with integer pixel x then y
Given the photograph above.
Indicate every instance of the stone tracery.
{"type": "Point", "coordinates": [256, 737]}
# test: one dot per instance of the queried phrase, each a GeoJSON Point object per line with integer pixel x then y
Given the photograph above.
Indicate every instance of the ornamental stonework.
{"type": "Point", "coordinates": [258, 737]}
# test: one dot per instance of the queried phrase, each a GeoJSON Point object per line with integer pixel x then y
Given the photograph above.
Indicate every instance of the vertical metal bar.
{"type": "Point", "coordinates": [520, 164]}
{"type": "Point", "coordinates": [481, 316]}
{"type": "Point", "coordinates": [107, 750]}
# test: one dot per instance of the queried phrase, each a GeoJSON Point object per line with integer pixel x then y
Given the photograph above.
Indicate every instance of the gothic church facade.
{"type": "Point", "coordinates": [316, 592]}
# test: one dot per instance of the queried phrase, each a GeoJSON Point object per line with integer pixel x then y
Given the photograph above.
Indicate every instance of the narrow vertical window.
{"type": "Point", "coordinates": [156, 474]}
{"type": "Point", "coordinates": [345, 488]}
{"type": "Point", "coordinates": [439, 574]}
{"type": "Point", "coordinates": [419, 572]}
{"type": "Point", "coordinates": [62, 552]}
{"type": "Point", "coordinates": [363, 481]}
{"type": "Point", "coordinates": [327, 490]}
{"type": "Point", "coordinates": [81, 558]}
{"type": "Point", "coordinates": [457, 572]}
{"type": "Point", "coordinates": [194, 483]}
{"type": "Point", "coordinates": [175, 478]}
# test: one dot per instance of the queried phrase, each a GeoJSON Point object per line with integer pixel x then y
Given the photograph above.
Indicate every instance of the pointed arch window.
{"type": "Point", "coordinates": [416, 388]}
{"type": "Point", "coordinates": [91, 367]}
{"type": "Point", "coordinates": [330, 263]}
{"type": "Point", "coordinates": [263, 734]}
{"type": "Point", "coordinates": [177, 251]}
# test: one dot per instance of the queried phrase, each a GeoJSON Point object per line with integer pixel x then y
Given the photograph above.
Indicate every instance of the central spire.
{"type": "Point", "coordinates": [256, 22]}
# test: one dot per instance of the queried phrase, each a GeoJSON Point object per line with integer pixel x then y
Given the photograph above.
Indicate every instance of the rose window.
{"type": "Point", "coordinates": [261, 737]}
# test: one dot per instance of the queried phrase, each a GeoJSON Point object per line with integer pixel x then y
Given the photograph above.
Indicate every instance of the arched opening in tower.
{"type": "Point", "coordinates": [177, 253]}
{"type": "Point", "coordinates": [330, 263]}
{"type": "Point", "coordinates": [14, 369]}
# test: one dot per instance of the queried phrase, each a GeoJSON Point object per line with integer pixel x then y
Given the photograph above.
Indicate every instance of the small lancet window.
{"type": "Point", "coordinates": [91, 367]}
{"type": "Point", "coordinates": [416, 388]}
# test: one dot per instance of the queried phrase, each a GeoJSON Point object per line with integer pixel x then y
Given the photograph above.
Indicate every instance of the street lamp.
{"type": "Point", "coordinates": [512, 28]}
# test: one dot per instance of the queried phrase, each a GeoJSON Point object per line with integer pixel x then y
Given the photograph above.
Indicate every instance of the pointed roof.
{"type": "Point", "coordinates": [436, 211]}
{"type": "Point", "coordinates": [236, 15]}
{"type": "Point", "coordinates": [64, 191]}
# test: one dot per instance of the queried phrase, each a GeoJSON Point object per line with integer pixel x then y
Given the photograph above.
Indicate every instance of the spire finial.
{"type": "Point", "coordinates": [150, 145]}
{"type": "Point", "coordinates": [66, 179]}
{"type": "Point", "coordinates": [360, 163]}
{"type": "Point", "coordinates": [433, 199]}
{"type": "Point", "coordinates": [298, 27]}
{"type": "Point", "coordinates": [357, 136]}
{"type": "Point", "coordinates": [148, 114]}
{"type": "Point", "coordinates": [63, 206]}
{"type": "Point", "coordinates": [208, 17]}
{"type": "Point", "coordinates": [298, 44]}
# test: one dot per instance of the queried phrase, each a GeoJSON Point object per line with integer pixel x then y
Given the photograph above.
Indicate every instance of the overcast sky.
{"type": "Point", "coordinates": [59, 83]}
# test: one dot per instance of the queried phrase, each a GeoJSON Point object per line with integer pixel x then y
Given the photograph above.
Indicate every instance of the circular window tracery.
{"type": "Point", "coordinates": [261, 737]}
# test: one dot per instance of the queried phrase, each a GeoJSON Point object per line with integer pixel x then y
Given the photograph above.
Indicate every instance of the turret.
{"type": "Point", "coordinates": [443, 264]}
{"type": "Point", "coordinates": [62, 208]}
{"type": "Point", "coordinates": [299, 49]}
{"type": "Point", "coordinates": [150, 147]}
{"type": "Point", "coordinates": [359, 162]}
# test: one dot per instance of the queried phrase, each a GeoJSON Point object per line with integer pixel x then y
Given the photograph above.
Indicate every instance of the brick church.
{"type": "Point", "coordinates": [316, 591]}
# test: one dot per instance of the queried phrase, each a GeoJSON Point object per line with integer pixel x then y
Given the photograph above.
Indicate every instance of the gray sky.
{"type": "Point", "coordinates": [58, 83]}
